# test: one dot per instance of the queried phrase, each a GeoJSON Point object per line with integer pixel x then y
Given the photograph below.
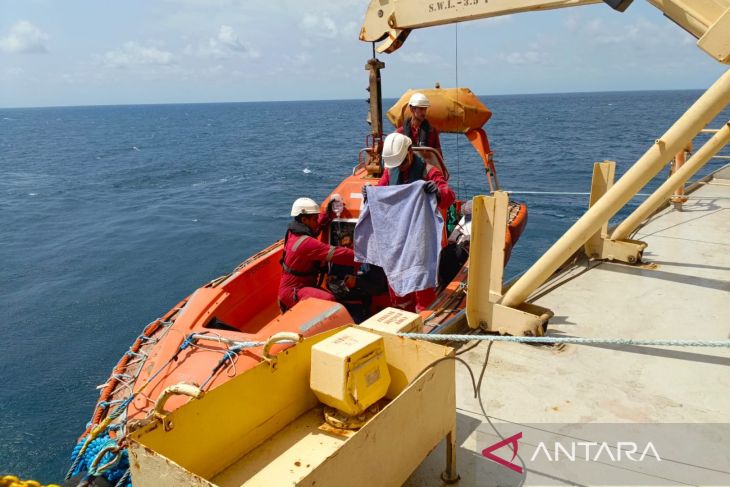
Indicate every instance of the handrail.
{"type": "Point", "coordinates": [705, 109]}
{"type": "Point", "coordinates": [681, 176]}
{"type": "Point", "coordinates": [360, 161]}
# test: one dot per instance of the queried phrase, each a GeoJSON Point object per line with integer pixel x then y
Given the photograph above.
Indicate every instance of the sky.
{"type": "Point", "coordinates": [89, 52]}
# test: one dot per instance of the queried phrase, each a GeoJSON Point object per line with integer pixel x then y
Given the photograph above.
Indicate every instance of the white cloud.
{"type": "Point", "coordinates": [14, 71]}
{"type": "Point", "coordinates": [11, 74]}
{"type": "Point", "coordinates": [572, 22]}
{"type": "Point", "coordinates": [134, 54]}
{"type": "Point", "coordinates": [225, 44]}
{"type": "Point", "coordinates": [486, 23]}
{"type": "Point", "coordinates": [350, 30]}
{"type": "Point", "coordinates": [521, 58]}
{"type": "Point", "coordinates": [640, 32]}
{"type": "Point", "coordinates": [322, 26]}
{"type": "Point", "coordinates": [24, 37]}
{"type": "Point", "coordinates": [626, 34]}
{"type": "Point", "coordinates": [228, 37]}
{"type": "Point", "coordinates": [302, 58]}
{"type": "Point", "coordinates": [419, 57]}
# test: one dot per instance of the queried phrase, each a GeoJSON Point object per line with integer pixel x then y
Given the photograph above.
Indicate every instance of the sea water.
{"type": "Point", "coordinates": [110, 215]}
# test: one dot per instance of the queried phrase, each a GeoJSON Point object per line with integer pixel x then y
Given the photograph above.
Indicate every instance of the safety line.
{"type": "Point", "coordinates": [576, 193]}
{"type": "Point", "coordinates": [562, 193]}
{"type": "Point", "coordinates": [575, 340]}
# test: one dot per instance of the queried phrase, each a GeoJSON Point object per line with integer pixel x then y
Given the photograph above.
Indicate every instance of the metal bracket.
{"type": "Point", "coordinates": [181, 388]}
{"type": "Point", "coordinates": [486, 268]}
{"type": "Point", "coordinates": [600, 246]}
{"type": "Point", "coordinates": [525, 320]}
{"type": "Point", "coordinates": [283, 336]}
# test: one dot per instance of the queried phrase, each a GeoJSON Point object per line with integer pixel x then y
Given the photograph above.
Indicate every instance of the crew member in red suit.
{"type": "Point", "coordinates": [402, 166]}
{"type": "Point", "coordinates": [304, 256]}
{"type": "Point", "coordinates": [420, 131]}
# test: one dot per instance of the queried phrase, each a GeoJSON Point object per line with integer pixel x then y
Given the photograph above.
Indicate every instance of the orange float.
{"type": "Point", "coordinates": [454, 110]}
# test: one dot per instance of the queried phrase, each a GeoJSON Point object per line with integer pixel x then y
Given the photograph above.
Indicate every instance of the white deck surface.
{"type": "Point", "coordinates": [681, 292]}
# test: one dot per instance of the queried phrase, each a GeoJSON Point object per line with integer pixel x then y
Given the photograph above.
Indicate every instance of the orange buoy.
{"type": "Point", "coordinates": [455, 110]}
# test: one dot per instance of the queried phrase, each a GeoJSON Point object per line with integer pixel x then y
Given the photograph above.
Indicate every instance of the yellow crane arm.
{"type": "Point", "coordinates": [392, 20]}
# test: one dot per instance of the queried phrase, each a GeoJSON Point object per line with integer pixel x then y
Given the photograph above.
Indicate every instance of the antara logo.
{"type": "Point", "coordinates": [487, 452]}
{"type": "Point", "coordinates": [588, 451]}
{"type": "Point", "coordinates": [591, 451]}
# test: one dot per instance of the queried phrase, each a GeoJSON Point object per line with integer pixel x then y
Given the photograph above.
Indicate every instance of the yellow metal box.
{"type": "Point", "coordinates": [393, 320]}
{"type": "Point", "coordinates": [349, 371]}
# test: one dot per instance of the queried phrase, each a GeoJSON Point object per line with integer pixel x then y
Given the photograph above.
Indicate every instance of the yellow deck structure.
{"type": "Point", "coordinates": [681, 291]}
{"type": "Point", "coordinates": [266, 427]}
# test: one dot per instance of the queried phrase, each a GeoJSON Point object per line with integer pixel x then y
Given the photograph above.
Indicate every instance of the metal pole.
{"type": "Point", "coordinates": [707, 107]}
{"type": "Point", "coordinates": [694, 164]}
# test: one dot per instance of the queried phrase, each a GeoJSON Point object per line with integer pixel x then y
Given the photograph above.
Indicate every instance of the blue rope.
{"type": "Point", "coordinates": [187, 342]}
{"type": "Point", "coordinates": [106, 404]}
{"type": "Point", "coordinates": [114, 474]}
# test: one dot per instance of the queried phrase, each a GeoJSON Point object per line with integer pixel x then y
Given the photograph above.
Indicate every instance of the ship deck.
{"type": "Point", "coordinates": [579, 392]}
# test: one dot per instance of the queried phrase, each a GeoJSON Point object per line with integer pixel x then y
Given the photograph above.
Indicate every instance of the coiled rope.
{"type": "Point", "coordinates": [13, 481]}
{"type": "Point", "coordinates": [93, 453]}
{"type": "Point", "coordinates": [575, 340]}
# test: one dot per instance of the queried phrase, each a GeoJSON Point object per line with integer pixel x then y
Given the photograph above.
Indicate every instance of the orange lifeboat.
{"type": "Point", "coordinates": [226, 326]}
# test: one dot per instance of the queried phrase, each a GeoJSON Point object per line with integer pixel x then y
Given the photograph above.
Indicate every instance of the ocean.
{"type": "Point", "coordinates": [111, 215]}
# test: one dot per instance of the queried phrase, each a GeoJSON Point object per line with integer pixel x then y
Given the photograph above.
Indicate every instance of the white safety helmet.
{"type": "Point", "coordinates": [395, 148]}
{"type": "Point", "coordinates": [419, 100]}
{"type": "Point", "coordinates": [304, 206]}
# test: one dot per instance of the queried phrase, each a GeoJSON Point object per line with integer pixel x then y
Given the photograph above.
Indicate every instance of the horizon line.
{"type": "Point", "coordinates": [334, 99]}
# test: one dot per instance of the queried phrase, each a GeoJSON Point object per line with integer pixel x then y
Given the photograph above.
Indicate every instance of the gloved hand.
{"type": "Point", "coordinates": [430, 187]}
{"type": "Point", "coordinates": [350, 281]}
{"type": "Point", "coordinates": [329, 206]}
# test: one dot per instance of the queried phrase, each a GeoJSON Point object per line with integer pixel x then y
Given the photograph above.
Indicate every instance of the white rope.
{"type": "Point", "coordinates": [576, 340]}
{"type": "Point", "coordinates": [562, 193]}
{"type": "Point", "coordinates": [574, 193]}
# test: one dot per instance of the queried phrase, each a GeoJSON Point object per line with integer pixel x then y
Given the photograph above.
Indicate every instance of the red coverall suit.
{"type": "Point", "coordinates": [424, 136]}
{"type": "Point", "coordinates": [420, 300]}
{"type": "Point", "coordinates": [303, 256]}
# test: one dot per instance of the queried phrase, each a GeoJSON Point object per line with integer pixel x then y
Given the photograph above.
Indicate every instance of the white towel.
{"type": "Point", "coordinates": [400, 230]}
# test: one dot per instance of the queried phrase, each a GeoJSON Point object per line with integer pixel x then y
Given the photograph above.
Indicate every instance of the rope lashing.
{"type": "Point", "coordinates": [103, 457]}
{"type": "Point", "coordinates": [106, 404]}
{"type": "Point", "coordinates": [101, 427]}
{"type": "Point", "coordinates": [575, 340]}
{"type": "Point", "coordinates": [229, 356]}
{"type": "Point", "coordinates": [190, 340]}
{"type": "Point", "coordinates": [125, 480]}
{"type": "Point", "coordinates": [106, 458]}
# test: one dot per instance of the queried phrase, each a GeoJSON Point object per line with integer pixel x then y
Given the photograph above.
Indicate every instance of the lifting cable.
{"type": "Point", "coordinates": [459, 188]}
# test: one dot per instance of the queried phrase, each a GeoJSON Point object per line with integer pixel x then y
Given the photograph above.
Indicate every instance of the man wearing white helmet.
{"type": "Point", "coordinates": [421, 133]}
{"type": "Point", "coordinates": [402, 166]}
{"type": "Point", "coordinates": [304, 255]}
